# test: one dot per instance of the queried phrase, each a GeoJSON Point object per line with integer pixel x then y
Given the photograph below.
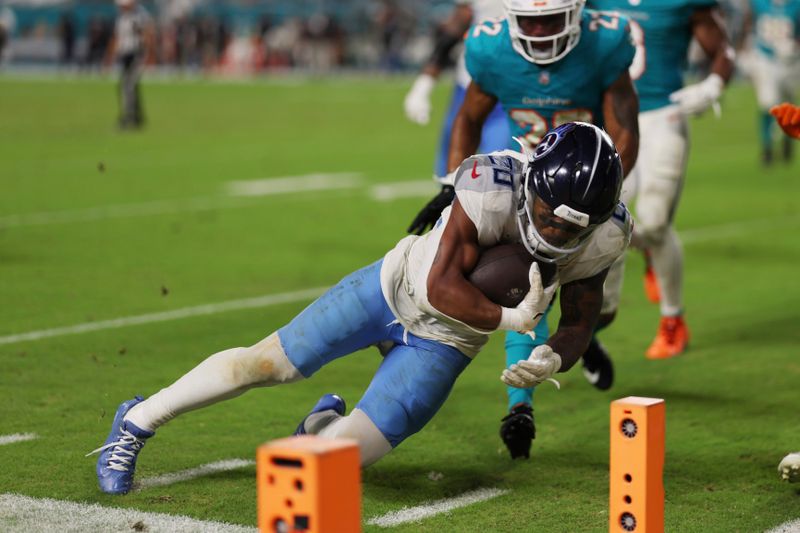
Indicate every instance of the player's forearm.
{"type": "Point", "coordinates": [621, 117]}
{"type": "Point", "coordinates": [723, 64]}
{"type": "Point", "coordinates": [570, 343]}
{"type": "Point", "coordinates": [709, 30]}
{"type": "Point", "coordinates": [460, 300]}
{"type": "Point", "coordinates": [464, 140]}
{"type": "Point", "coordinates": [581, 302]}
{"type": "Point", "coordinates": [440, 55]}
{"type": "Point", "coordinates": [627, 143]}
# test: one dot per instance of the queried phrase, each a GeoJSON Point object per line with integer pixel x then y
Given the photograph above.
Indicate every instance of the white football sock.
{"type": "Point", "coordinates": [357, 425]}
{"type": "Point", "coordinates": [222, 376]}
{"type": "Point", "coordinates": [667, 261]}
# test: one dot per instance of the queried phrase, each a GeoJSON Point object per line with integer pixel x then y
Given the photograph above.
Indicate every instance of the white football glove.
{"type": "Point", "coordinates": [537, 368]}
{"type": "Point", "coordinates": [529, 311]}
{"type": "Point", "coordinates": [417, 104]}
{"type": "Point", "coordinates": [696, 98]}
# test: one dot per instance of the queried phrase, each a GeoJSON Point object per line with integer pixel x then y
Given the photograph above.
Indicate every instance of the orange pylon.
{"type": "Point", "coordinates": [308, 484]}
{"type": "Point", "coordinates": [636, 473]}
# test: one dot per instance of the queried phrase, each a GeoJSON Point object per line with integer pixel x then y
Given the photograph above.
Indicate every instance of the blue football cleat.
{"type": "Point", "coordinates": [328, 402]}
{"type": "Point", "coordinates": [117, 461]}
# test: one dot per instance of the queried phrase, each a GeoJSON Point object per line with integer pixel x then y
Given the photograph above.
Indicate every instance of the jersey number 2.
{"type": "Point", "coordinates": [491, 27]}
{"type": "Point", "coordinates": [610, 21]}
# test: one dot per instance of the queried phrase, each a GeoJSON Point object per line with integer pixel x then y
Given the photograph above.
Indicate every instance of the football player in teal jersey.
{"type": "Point", "coordinates": [546, 63]}
{"type": "Point", "coordinates": [776, 63]}
{"type": "Point", "coordinates": [662, 30]}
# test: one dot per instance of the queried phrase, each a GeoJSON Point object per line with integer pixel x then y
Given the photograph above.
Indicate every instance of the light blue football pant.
{"type": "Point", "coordinates": [415, 376]}
{"type": "Point", "coordinates": [519, 347]}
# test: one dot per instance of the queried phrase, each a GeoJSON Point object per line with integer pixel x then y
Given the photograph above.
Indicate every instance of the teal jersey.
{"type": "Point", "coordinates": [662, 30]}
{"type": "Point", "coordinates": [777, 27]}
{"type": "Point", "coordinates": [537, 98]}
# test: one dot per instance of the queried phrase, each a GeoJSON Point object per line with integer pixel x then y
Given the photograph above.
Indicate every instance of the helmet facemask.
{"type": "Point", "coordinates": [564, 16]}
{"type": "Point", "coordinates": [536, 219]}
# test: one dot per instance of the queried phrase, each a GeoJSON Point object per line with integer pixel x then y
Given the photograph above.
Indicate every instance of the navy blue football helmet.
{"type": "Point", "coordinates": [577, 172]}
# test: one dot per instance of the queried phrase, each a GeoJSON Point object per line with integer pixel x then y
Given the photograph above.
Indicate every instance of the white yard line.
{"type": "Point", "coordinates": [293, 184]}
{"type": "Point", "coordinates": [184, 475]}
{"type": "Point", "coordinates": [93, 214]}
{"type": "Point", "coordinates": [793, 526]}
{"type": "Point", "coordinates": [175, 314]}
{"type": "Point", "coordinates": [415, 514]}
{"type": "Point", "coordinates": [235, 197]}
{"type": "Point", "coordinates": [386, 192]}
{"type": "Point", "coordinates": [238, 194]}
{"type": "Point", "coordinates": [24, 514]}
{"type": "Point", "coordinates": [17, 437]}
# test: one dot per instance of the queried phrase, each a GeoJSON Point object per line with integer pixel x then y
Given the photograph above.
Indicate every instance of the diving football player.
{"type": "Point", "coordinates": [417, 297]}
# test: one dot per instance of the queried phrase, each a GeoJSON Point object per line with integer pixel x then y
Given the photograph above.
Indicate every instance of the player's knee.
{"type": "Point", "coordinates": [357, 425]}
{"type": "Point", "coordinates": [392, 418]}
{"type": "Point", "coordinates": [650, 234]}
{"type": "Point", "coordinates": [265, 363]}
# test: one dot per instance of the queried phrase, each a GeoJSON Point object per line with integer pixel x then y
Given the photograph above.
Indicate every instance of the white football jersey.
{"type": "Point", "coordinates": [487, 188]}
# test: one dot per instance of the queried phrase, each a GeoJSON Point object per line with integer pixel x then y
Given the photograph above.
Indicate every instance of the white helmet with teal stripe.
{"type": "Point", "coordinates": [544, 31]}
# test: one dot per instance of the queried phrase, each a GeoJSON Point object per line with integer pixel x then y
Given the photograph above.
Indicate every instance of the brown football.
{"type": "Point", "coordinates": [502, 273]}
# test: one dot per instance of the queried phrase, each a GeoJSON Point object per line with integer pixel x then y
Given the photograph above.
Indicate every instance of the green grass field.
{"type": "Point", "coordinates": [70, 254]}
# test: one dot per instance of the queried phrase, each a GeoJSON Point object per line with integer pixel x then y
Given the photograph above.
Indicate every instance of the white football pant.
{"type": "Point", "coordinates": [654, 188]}
{"type": "Point", "coordinates": [775, 80]}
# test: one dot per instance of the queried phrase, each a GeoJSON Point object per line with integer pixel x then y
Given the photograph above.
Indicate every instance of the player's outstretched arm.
{"type": "Point", "coordinates": [417, 103]}
{"type": "Point", "coordinates": [788, 118]}
{"type": "Point", "coordinates": [580, 308]}
{"type": "Point", "coordinates": [621, 117]}
{"type": "Point", "coordinates": [709, 30]}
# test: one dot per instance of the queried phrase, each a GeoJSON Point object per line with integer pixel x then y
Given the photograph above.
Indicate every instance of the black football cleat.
{"type": "Point", "coordinates": [597, 366]}
{"type": "Point", "coordinates": [518, 431]}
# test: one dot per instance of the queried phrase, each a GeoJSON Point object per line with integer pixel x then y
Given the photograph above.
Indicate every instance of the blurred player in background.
{"type": "Point", "coordinates": [546, 64]}
{"type": "Point", "coordinates": [8, 22]}
{"type": "Point", "coordinates": [418, 297]}
{"type": "Point", "coordinates": [775, 67]}
{"type": "Point", "coordinates": [133, 37]}
{"type": "Point", "coordinates": [417, 104]}
{"type": "Point", "coordinates": [662, 32]}
{"type": "Point", "coordinates": [788, 118]}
